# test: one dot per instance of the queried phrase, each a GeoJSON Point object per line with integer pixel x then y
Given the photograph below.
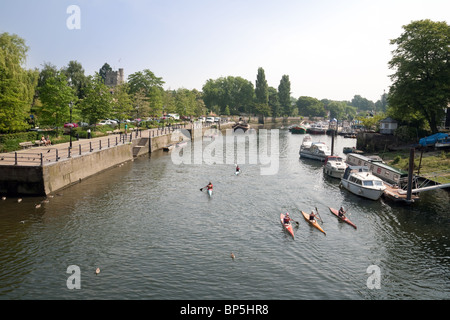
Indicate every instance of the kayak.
{"type": "Point", "coordinates": [210, 192]}
{"type": "Point", "coordinates": [314, 222]}
{"type": "Point", "coordinates": [288, 226]}
{"type": "Point", "coordinates": [237, 172]}
{"type": "Point", "coordinates": [345, 219]}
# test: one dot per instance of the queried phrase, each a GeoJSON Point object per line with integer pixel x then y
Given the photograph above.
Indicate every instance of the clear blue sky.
{"type": "Point", "coordinates": [330, 49]}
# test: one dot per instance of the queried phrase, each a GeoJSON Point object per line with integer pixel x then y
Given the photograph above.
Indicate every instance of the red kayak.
{"type": "Point", "coordinates": [287, 226]}
{"type": "Point", "coordinates": [345, 219]}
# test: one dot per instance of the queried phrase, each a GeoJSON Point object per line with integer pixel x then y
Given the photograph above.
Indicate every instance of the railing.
{"type": "Point", "coordinates": [45, 155]}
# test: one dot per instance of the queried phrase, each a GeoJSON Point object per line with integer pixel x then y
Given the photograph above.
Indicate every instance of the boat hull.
{"type": "Point", "coordinates": [346, 220]}
{"type": "Point", "coordinates": [314, 223]}
{"type": "Point", "coordinates": [210, 193]}
{"type": "Point", "coordinates": [372, 194]}
{"type": "Point", "coordinates": [287, 227]}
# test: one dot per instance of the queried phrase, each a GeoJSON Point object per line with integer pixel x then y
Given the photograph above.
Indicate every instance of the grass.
{"type": "Point", "coordinates": [435, 165]}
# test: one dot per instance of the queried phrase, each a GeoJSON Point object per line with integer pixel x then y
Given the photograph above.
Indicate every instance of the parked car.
{"type": "Point", "coordinates": [210, 119]}
{"type": "Point", "coordinates": [173, 115]}
{"type": "Point", "coordinates": [217, 119]}
{"type": "Point", "coordinates": [105, 122]}
{"type": "Point", "coordinates": [202, 119]}
{"type": "Point", "coordinates": [70, 125]}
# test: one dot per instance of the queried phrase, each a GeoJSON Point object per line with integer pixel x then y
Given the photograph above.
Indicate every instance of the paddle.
{"type": "Point", "coordinates": [319, 215]}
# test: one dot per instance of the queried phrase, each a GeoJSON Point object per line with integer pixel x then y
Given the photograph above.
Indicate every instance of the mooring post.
{"type": "Point", "coordinates": [410, 174]}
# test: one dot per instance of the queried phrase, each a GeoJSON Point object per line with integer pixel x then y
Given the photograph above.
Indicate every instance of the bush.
{"type": "Point", "coordinates": [396, 160]}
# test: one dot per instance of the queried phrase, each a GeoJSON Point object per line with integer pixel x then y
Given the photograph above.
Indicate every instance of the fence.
{"type": "Point", "coordinates": [44, 155]}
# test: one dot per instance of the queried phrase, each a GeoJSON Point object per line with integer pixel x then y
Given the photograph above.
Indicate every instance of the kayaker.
{"type": "Point", "coordinates": [312, 216]}
{"type": "Point", "coordinates": [287, 219]}
{"type": "Point", "coordinates": [209, 186]}
{"type": "Point", "coordinates": [237, 168]}
{"type": "Point", "coordinates": [341, 212]}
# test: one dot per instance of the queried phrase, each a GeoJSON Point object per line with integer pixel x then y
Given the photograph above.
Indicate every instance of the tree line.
{"type": "Point", "coordinates": [418, 96]}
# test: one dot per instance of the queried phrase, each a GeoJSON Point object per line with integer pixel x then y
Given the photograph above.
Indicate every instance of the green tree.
{"type": "Point", "coordinates": [362, 104]}
{"type": "Point", "coordinates": [76, 78]}
{"type": "Point", "coordinates": [147, 83]}
{"type": "Point", "coordinates": [103, 71]}
{"type": "Point", "coordinates": [421, 82]}
{"type": "Point", "coordinates": [55, 95]}
{"type": "Point", "coordinates": [310, 107]}
{"type": "Point", "coordinates": [122, 105]}
{"type": "Point", "coordinates": [274, 102]}
{"type": "Point", "coordinates": [98, 101]}
{"type": "Point", "coordinates": [261, 89]}
{"type": "Point", "coordinates": [234, 92]}
{"type": "Point", "coordinates": [17, 85]}
{"type": "Point", "coordinates": [284, 94]}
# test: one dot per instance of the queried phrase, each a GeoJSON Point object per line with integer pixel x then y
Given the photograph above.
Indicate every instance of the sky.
{"type": "Point", "coordinates": [330, 49]}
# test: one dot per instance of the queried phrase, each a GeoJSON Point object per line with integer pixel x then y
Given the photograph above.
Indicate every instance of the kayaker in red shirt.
{"type": "Point", "coordinates": [287, 218]}
{"type": "Point", "coordinates": [209, 186]}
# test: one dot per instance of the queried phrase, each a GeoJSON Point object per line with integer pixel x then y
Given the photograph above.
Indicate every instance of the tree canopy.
{"type": "Point", "coordinates": [17, 85]}
{"type": "Point", "coordinates": [421, 82]}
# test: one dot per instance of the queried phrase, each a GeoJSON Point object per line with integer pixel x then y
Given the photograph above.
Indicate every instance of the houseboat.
{"type": "Point", "coordinates": [378, 168]}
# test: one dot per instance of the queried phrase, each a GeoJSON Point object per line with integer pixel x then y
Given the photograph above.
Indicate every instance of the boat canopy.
{"type": "Point", "coordinates": [351, 169]}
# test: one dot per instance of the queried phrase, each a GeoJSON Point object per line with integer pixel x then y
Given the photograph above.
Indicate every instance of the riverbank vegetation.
{"type": "Point", "coordinates": [432, 164]}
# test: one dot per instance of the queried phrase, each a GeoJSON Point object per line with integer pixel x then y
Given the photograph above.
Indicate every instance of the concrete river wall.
{"type": "Point", "coordinates": [40, 171]}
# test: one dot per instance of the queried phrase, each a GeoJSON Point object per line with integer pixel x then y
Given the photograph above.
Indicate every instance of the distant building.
{"type": "Point", "coordinates": [388, 126]}
{"type": "Point", "coordinates": [114, 78]}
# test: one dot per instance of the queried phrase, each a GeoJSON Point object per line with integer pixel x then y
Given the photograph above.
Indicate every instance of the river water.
{"type": "Point", "coordinates": [154, 235]}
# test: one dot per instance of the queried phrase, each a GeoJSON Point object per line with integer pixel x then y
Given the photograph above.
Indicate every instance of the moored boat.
{"type": "Point", "coordinates": [442, 143]}
{"type": "Point", "coordinates": [317, 128]}
{"type": "Point", "coordinates": [317, 151]}
{"type": "Point", "coordinates": [334, 166]}
{"type": "Point", "coordinates": [241, 125]}
{"type": "Point", "coordinates": [314, 223]}
{"type": "Point", "coordinates": [287, 226]}
{"type": "Point", "coordinates": [299, 129]}
{"type": "Point", "coordinates": [358, 180]}
{"type": "Point", "coordinates": [345, 219]}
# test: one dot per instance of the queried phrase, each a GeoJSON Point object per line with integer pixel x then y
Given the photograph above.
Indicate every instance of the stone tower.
{"type": "Point", "coordinates": [114, 78]}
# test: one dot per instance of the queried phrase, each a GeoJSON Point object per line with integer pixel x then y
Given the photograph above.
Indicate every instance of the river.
{"type": "Point", "coordinates": [154, 235]}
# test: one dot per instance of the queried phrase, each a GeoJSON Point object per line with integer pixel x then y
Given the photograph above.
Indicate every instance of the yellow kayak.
{"type": "Point", "coordinates": [313, 222]}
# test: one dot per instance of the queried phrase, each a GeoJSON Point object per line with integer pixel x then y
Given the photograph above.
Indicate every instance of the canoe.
{"type": "Point", "coordinates": [345, 219]}
{"type": "Point", "coordinates": [210, 192]}
{"type": "Point", "coordinates": [313, 223]}
{"type": "Point", "coordinates": [288, 227]}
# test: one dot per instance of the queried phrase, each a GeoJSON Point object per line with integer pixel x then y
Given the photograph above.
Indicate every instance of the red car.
{"type": "Point", "coordinates": [70, 125]}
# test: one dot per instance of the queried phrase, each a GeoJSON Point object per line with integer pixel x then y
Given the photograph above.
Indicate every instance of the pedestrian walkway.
{"type": "Point", "coordinates": [44, 155]}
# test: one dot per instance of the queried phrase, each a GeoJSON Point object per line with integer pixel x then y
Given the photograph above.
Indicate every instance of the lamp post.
{"type": "Point", "coordinates": [71, 124]}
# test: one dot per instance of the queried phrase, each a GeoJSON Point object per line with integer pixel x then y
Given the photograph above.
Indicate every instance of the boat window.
{"type": "Point", "coordinates": [368, 183]}
{"type": "Point", "coordinates": [378, 183]}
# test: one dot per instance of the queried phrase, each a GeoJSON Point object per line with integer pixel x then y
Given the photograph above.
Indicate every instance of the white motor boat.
{"type": "Point", "coordinates": [334, 166]}
{"type": "Point", "coordinates": [358, 180]}
{"type": "Point", "coordinates": [314, 150]}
